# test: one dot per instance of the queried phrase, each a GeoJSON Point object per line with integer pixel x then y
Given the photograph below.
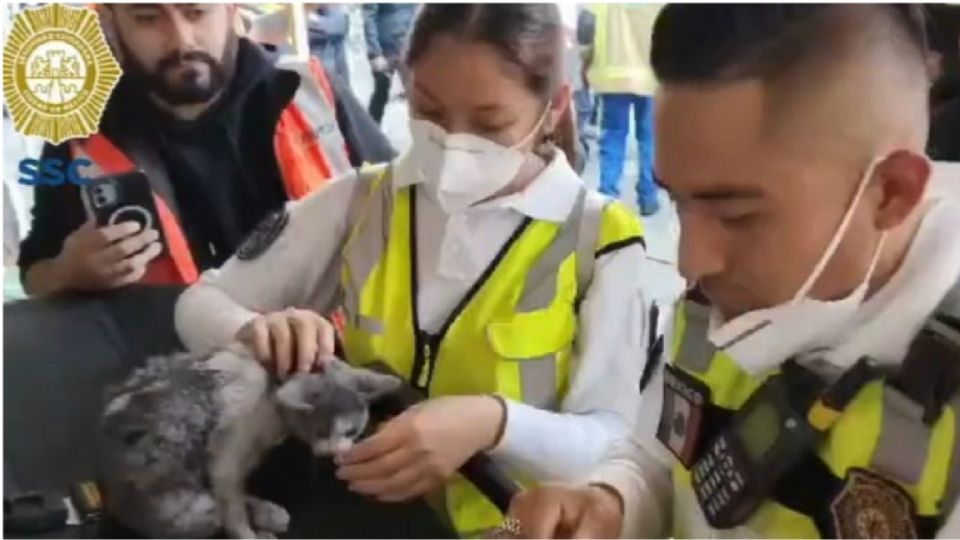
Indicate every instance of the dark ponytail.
{"type": "Point", "coordinates": [529, 36]}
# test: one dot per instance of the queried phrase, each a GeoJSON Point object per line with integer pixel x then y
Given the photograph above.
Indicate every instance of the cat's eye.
{"type": "Point", "coordinates": [352, 432]}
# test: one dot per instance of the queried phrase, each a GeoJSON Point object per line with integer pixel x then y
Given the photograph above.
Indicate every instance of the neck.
{"type": "Point", "coordinates": [184, 112]}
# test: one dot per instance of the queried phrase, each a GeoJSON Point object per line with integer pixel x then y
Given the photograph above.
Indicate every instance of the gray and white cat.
{"type": "Point", "coordinates": [181, 435]}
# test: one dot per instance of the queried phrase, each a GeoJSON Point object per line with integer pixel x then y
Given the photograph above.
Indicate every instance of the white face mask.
{"type": "Point", "coordinates": [759, 339]}
{"type": "Point", "coordinates": [461, 168]}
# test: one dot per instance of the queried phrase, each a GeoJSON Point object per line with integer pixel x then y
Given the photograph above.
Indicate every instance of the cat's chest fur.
{"type": "Point", "coordinates": [249, 422]}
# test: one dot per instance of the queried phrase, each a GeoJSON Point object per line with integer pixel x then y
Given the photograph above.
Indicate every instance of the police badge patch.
{"type": "Point", "coordinates": [871, 506]}
{"type": "Point", "coordinates": [263, 235]}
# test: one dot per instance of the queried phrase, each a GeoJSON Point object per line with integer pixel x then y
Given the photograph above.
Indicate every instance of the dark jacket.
{"type": "Point", "coordinates": [385, 27]}
{"type": "Point", "coordinates": [221, 167]}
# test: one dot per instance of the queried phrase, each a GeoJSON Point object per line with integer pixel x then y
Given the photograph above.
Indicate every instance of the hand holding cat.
{"type": "Point", "coordinates": [423, 447]}
{"type": "Point", "coordinates": [289, 340]}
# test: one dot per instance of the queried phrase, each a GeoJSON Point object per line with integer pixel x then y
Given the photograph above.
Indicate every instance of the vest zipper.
{"type": "Point", "coordinates": [427, 345]}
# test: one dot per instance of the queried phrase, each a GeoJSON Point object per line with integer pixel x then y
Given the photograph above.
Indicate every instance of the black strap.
{"type": "Point", "coordinates": [930, 373]}
{"type": "Point", "coordinates": [654, 347]}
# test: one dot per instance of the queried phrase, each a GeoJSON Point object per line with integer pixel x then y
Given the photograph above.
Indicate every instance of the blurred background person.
{"type": "Point", "coordinates": [385, 27]}
{"type": "Point", "coordinates": [620, 73]}
{"type": "Point", "coordinates": [327, 29]}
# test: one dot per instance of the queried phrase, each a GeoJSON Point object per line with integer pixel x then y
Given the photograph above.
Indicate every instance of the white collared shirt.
{"type": "Point", "coordinates": [611, 342]}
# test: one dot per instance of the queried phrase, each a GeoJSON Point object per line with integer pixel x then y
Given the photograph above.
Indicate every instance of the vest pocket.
{"type": "Point", "coordinates": [531, 347]}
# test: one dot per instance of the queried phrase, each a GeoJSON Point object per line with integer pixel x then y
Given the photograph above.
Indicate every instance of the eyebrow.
{"type": "Point", "coordinates": [717, 194]}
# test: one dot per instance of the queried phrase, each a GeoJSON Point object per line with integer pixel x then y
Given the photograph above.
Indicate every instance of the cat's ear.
{"type": "Point", "coordinates": [292, 394]}
{"type": "Point", "coordinates": [372, 385]}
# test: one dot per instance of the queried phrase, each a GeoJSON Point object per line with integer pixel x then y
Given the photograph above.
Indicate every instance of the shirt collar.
{"type": "Point", "coordinates": [550, 196]}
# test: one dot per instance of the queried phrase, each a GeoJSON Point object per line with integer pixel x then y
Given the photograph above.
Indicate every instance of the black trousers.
{"type": "Point", "coordinates": [381, 93]}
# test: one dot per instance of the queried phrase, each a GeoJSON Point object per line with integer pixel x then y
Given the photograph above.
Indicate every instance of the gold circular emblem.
{"type": "Point", "coordinates": [871, 506]}
{"type": "Point", "coordinates": [58, 72]}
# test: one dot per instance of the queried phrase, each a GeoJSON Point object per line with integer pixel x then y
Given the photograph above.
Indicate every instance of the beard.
{"type": "Point", "coordinates": [177, 81]}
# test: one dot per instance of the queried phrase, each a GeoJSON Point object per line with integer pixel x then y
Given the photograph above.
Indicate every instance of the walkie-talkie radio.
{"type": "Point", "coordinates": [779, 424]}
{"type": "Point", "coordinates": [741, 465]}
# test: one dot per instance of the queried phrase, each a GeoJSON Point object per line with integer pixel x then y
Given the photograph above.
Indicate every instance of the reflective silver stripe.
{"type": "Point", "coordinates": [952, 491]}
{"type": "Point", "coordinates": [538, 381]}
{"type": "Point", "coordinates": [312, 101]}
{"type": "Point", "coordinates": [901, 451]}
{"type": "Point", "coordinates": [368, 223]}
{"type": "Point", "coordinates": [590, 224]}
{"type": "Point", "coordinates": [540, 287]}
{"type": "Point", "coordinates": [696, 351]}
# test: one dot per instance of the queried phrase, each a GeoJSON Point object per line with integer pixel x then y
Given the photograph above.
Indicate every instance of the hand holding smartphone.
{"type": "Point", "coordinates": [123, 234]}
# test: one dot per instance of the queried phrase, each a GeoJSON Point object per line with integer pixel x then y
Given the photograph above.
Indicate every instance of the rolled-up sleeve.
{"type": "Point", "coordinates": [294, 271]}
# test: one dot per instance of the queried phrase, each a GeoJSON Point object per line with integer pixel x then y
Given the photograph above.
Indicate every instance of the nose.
{"type": "Point", "coordinates": [181, 31]}
{"type": "Point", "coordinates": [702, 251]}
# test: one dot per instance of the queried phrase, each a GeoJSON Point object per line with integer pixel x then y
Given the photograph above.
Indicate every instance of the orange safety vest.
{"type": "Point", "coordinates": [309, 148]}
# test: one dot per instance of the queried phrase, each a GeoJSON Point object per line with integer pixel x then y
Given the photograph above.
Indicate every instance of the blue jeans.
{"type": "Point", "coordinates": [614, 127]}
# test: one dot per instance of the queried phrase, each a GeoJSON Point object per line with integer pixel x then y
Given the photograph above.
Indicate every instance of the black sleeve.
{"type": "Point", "coordinates": [57, 211]}
{"type": "Point", "coordinates": [366, 142]}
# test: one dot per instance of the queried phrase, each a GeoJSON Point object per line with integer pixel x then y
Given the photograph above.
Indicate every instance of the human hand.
{"type": "Point", "coordinates": [379, 63]}
{"type": "Point", "coordinates": [422, 448]}
{"type": "Point", "coordinates": [108, 257]}
{"type": "Point", "coordinates": [289, 340]}
{"type": "Point", "coordinates": [557, 511]}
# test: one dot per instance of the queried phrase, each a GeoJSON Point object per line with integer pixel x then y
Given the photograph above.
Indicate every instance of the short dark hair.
{"type": "Point", "coordinates": [727, 42]}
{"type": "Point", "coordinates": [527, 36]}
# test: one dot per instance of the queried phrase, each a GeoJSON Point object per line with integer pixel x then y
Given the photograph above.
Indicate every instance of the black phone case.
{"type": "Point", "coordinates": [117, 198]}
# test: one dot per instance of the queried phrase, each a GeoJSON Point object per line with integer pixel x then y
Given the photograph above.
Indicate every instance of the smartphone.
{"type": "Point", "coordinates": [117, 198]}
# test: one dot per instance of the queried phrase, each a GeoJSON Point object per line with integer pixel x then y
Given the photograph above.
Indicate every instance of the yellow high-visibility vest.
{"type": "Point", "coordinates": [881, 430]}
{"type": "Point", "coordinates": [513, 333]}
{"type": "Point", "coordinates": [621, 49]}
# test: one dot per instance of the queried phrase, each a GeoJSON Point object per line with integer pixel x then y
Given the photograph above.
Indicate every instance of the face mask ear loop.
{"type": "Point", "coordinates": [838, 235]}
{"type": "Point", "coordinates": [533, 132]}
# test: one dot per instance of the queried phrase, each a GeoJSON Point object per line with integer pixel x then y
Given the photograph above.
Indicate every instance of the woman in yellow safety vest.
{"type": "Point", "coordinates": [477, 265]}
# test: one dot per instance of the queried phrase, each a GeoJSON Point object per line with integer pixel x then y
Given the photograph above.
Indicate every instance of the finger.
{"type": "Point", "coordinates": [112, 233]}
{"type": "Point", "coordinates": [260, 339]}
{"type": "Point", "coordinates": [410, 491]}
{"type": "Point", "coordinates": [132, 244]}
{"type": "Point", "coordinates": [135, 267]}
{"type": "Point", "coordinates": [280, 337]}
{"type": "Point", "coordinates": [382, 467]}
{"type": "Point", "coordinates": [306, 337]}
{"type": "Point", "coordinates": [395, 481]}
{"type": "Point", "coordinates": [537, 516]}
{"type": "Point", "coordinates": [391, 436]}
{"type": "Point", "coordinates": [327, 345]}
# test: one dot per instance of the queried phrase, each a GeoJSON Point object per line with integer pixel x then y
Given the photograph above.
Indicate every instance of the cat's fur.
{"type": "Point", "coordinates": [181, 434]}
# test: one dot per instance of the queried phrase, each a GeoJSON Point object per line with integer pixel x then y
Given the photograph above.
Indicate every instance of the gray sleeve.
{"type": "Point", "coordinates": [298, 269]}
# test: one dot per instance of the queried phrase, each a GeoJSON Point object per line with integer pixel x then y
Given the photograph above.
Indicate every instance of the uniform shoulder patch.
{"type": "Point", "coordinates": [871, 506]}
{"type": "Point", "coordinates": [263, 235]}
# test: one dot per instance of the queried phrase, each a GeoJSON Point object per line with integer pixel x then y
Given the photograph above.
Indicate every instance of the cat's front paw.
{"type": "Point", "coordinates": [267, 516]}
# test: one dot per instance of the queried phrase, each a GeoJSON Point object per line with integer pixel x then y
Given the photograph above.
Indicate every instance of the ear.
{"type": "Point", "coordinates": [372, 385]}
{"type": "Point", "coordinates": [902, 178]}
{"type": "Point", "coordinates": [292, 394]}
